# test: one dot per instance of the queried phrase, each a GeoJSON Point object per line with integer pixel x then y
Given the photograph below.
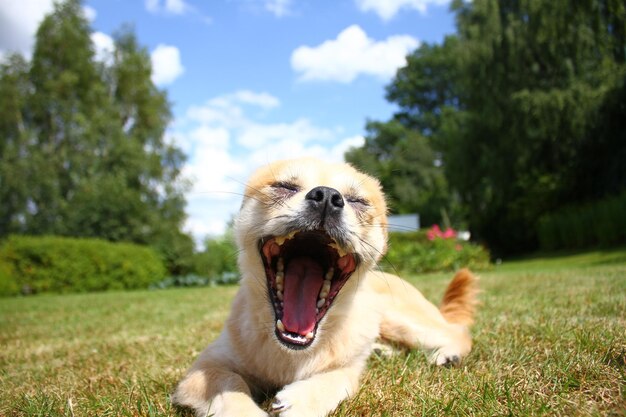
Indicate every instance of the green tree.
{"type": "Point", "coordinates": [83, 143]}
{"type": "Point", "coordinates": [516, 103]}
{"type": "Point", "coordinates": [13, 144]}
{"type": "Point", "coordinates": [408, 169]}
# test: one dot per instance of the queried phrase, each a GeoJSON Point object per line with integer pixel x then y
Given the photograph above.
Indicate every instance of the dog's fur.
{"type": "Point", "coordinates": [250, 358]}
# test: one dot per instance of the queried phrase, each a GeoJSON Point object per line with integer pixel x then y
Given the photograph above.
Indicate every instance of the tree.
{"type": "Point", "coordinates": [532, 77]}
{"type": "Point", "coordinates": [13, 144]}
{"type": "Point", "coordinates": [408, 169]}
{"type": "Point", "coordinates": [514, 102]}
{"type": "Point", "coordinates": [87, 139]}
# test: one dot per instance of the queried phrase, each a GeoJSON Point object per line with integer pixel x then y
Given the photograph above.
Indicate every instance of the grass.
{"type": "Point", "coordinates": [550, 339]}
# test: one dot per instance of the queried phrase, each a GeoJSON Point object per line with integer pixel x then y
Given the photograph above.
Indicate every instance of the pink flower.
{"type": "Point", "coordinates": [434, 232]}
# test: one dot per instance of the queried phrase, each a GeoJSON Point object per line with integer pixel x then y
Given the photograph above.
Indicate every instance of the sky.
{"type": "Point", "coordinates": [253, 81]}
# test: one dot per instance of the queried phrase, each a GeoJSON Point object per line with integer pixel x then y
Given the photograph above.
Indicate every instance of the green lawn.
{"type": "Point", "coordinates": [550, 340]}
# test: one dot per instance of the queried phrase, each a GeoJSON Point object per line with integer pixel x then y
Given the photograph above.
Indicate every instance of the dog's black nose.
{"type": "Point", "coordinates": [325, 199]}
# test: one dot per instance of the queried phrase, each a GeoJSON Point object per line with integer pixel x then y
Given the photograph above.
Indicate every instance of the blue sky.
{"type": "Point", "coordinates": [251, 81]}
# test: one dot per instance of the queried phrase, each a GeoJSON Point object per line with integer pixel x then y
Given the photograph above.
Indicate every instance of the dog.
{"type": "Point", "coordinates": [312, 303]}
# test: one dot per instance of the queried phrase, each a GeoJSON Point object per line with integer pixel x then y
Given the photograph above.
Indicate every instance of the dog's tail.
{"type": "Point", "coordinates": [459, 301]}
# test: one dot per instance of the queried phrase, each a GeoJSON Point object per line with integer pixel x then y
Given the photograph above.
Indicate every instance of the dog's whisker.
{"type": "Point", "coordinates": [382, 255]}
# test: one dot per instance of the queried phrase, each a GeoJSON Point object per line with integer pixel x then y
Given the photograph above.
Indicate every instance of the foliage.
{"type": "Point", "coordinates": [8, 283]}
{"type": "Point", "coordinates": [515, 103]}
{"type": "Point", "coordinates": [407, 167]}
{"type": "Point", "coordinates": [36, 264]}
{"type": "Point", "coordinates": [82, 142]}
{"type": "Point", "coordinates": [601, 223]}
{"type": "Point", "coordinates": [432, 250]}
{"type": "Point", "coordinates": [219, 256]}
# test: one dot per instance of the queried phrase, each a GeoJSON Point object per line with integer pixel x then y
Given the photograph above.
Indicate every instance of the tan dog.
{"type": "Point", "coordinates": [311, 302]}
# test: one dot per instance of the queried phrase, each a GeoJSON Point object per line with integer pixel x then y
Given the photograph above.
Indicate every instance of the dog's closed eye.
{"type": "Point", "coordinates": [285, 188]}
{"type": "Point", "coordinates": [358, 203]}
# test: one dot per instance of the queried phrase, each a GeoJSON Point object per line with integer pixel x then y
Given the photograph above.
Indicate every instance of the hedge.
{"type": "Point", "coordinates": [424, 251]}
{"type": "Point", "coordinates": [36, 264]}
{"type": "Point", "coordinates": [600, 223]}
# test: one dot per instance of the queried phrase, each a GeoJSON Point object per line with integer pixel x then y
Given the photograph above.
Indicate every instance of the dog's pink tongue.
{"type": "Point", "coordinates": [303, 281]}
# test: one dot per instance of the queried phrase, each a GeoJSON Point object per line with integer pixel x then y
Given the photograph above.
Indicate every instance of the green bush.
{"type": "Point", "coordinates": [57, 264]}
{"type": "Point", "coordinates": [8, 284]}
{"type": "Point", "coordinates": [601, 223]}
{"type": "Point", "coordinates": [416, 253]}
{"type": "Point", "coordinates": [218, 257]}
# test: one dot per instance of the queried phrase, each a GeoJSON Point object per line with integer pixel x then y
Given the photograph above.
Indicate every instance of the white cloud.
{"type": "Point", "coordinates": [227, 110]}
{"type": "Point", "coordinates": [104, 47]}
{"type": "Point", "coordinates": [166, 64]}
{"type": "Point", "coordinates": [387, 9]}
{"type": "Point", "coordinates": [342, 147]}
{"type": "Point", "coordinates": [226, 140]}
{"type": "Point", "coordinates": [19, 20]}
{"type": "Point", "coordinates": [278, 8]}
{"type": "Point", "coordinates": [90, 13]}
{"type": "Point", "coordinates": [177, 7]}
{"type": "Point", "coordinates": [256, 135]}
{"type": "Point", "coordinates": [351, 54]}
{"type": "Point", "coordinates": [263, 100]}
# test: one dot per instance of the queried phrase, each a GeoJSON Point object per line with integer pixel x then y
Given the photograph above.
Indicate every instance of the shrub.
{"type": "Point", "coordinates": [219, 256]}
{"type": "Point", "coordinates": [8, 284]}
{"type": "Point", "coordinates": [601, 223]}
{"type": "Point", "coordinates": [59, 264]}
{"type": "Point", "coordinates": [432, 250]}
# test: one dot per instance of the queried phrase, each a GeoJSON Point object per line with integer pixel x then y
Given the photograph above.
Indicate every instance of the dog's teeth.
{"type": "Point", "coordinates": [280, 277]}
{"type": "Point", "coordinates": [279, 286]}
{"type": "Point", "coordinates": [280, 265]}
{"type": "Point", "coordinates": [338, 248]}
{"type": "Point", "coordinates": [325, 290]}
{"type": "Point", "coordinates": [330, 273]}
{"type": "Point", "coordinates": [321, 302]}
{"type": "Point", "coordinates": [309, 336]}
{"type": "Point", "coordinates": [280, 326]}
{"type": "Point", "coordinates": [279, 294]}
{"type": "Point", "coordinates": [281, 239]}
{"type": "Point", "coordinates": [326, 287]}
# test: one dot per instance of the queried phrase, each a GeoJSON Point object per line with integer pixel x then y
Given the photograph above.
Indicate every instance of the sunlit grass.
{"type": "Point", "coordinates": [550, 339]}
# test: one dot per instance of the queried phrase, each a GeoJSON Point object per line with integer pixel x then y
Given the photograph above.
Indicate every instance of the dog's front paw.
{"type": "Point", "coordinates": [446, 357]}
{"type": "Point", "coordinates": [296, 401]}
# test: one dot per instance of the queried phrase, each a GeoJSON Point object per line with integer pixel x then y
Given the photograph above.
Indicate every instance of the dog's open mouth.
{"type": "Point", "coordinates": [305, 271]}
